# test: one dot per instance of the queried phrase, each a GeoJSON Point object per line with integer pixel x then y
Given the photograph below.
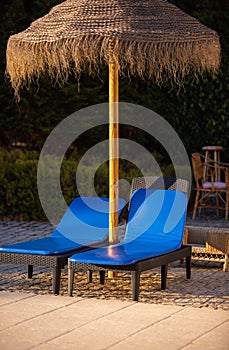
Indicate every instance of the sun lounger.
{"type": "Point", "coordinates": [153, 238]}
{"type": "Point", "coordinates": [84, 226]}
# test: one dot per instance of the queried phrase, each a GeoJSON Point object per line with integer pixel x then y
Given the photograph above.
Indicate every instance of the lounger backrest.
{"type": "Point", "coordinates": [159, 182]}
{"type": "Point", "coordinates": [156, 212]}
{"type": "Point", "coordinates": [86, 218]}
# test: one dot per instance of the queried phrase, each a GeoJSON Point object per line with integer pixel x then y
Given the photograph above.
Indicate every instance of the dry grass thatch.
{"type": "Point", "coordinates": [154, 39]}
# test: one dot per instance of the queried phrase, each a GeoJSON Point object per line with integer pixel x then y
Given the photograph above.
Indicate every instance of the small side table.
{"type": "Point", "coordinates": [209, 244]}
{"type": "Point", "coordinates": [216, 156]}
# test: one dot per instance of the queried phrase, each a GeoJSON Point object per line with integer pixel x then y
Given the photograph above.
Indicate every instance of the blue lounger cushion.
{"type": "Point", "coordinates": [155, 227]}
{"type": "Point", "coordinates": [85, 223]}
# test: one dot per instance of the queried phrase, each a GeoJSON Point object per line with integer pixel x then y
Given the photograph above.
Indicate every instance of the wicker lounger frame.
{"type": "Point", "coordinates": [135, 269]}
{"type": "Point", "coordinates": [56, 262]}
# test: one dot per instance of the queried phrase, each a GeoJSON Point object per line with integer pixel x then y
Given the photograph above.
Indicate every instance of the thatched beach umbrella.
{"type": "Point", "coordinates": [149, 38]}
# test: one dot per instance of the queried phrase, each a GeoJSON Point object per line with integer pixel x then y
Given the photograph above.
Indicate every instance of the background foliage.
{"type": "Point", "coordinates": [198, 110]}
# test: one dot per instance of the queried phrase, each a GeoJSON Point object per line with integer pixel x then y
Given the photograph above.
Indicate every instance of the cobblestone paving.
{"type": "Point", "coordinates": [208, 287]}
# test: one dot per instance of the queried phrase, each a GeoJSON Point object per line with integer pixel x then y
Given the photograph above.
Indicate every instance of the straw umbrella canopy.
{"type": "Point", "coordinates": [149, 38]}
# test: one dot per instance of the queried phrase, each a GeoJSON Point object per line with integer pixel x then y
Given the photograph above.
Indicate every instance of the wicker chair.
{"type": "Point", "coordinates": [209, 192]}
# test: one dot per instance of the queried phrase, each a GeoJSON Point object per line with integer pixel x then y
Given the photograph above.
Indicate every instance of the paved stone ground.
{"type": "Point", "coordinates": [208, 288]}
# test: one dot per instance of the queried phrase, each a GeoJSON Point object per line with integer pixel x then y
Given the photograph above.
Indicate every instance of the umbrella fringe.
{"type": "Point", "coordinates": [158, 61]}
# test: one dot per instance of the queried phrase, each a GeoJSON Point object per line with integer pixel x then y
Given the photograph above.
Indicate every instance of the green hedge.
{"type": "Point", "coordinates": [18, 191]}
{"type": "Point", "coordinates": [19, 197]}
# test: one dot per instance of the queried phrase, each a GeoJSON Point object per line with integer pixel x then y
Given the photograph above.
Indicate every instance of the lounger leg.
{"type": "Point", "coordinates": [70, 280]}
{"type": "Point", "coordinates": [30, 271]}
{"type": "Point", "coordinates": [226, 263]}
{"type": "Point", "coordinates": [101, 277]}
{"type": "Point", "coordinates": [89, 276]}
{"type": "Point", "coordinates": [135, 277]}
{"type": "Point", "coordinates": [188, 267]}
{"type": "Point", "coordinates": [164, 269]}
{"type": "Point", "coordinates": [56, 279]}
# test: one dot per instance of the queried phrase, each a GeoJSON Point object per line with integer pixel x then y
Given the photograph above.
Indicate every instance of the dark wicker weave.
{"type": "Point", "coordinates": [159, 182]}
{"type": "Point", "coordinates": [57, 263]}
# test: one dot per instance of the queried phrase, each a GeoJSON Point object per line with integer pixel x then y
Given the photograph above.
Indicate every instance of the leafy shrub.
{"type": "Point", "coordinates": [19, 191]}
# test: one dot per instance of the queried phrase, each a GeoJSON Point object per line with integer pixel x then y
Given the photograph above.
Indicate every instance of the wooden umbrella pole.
{"type": "Point", "coordinates": [113, 147]}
